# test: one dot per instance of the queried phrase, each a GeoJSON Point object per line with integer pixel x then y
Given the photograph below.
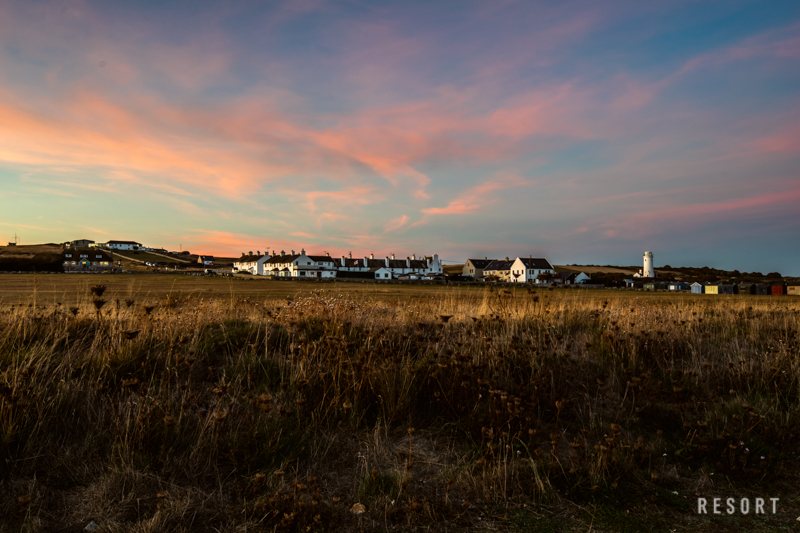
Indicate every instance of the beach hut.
{"type": "Point", "coordinates": [747, 288]}
{"type": "Point", "coordinates": [778, 289]}
{"type": "Point", "coordinates": [712, 289]}
{"type": "Point", "coordinates": [763, 289]}
{"type": "Point", "coordinates": [793, 290]}
{"type": "Point", "coordinates": [678, 286]}
{"type": "Point", "coordinates": [726, 288]}
{"type": "Point", "coordinates": [698, 288]}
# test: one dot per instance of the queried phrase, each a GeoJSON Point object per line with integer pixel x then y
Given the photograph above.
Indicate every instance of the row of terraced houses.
{"type": "Point", "coordinates": [302, 265]}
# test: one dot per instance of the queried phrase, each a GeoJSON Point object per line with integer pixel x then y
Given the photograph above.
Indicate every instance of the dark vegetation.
{"type": "Point", "coordinates": [323, 412]}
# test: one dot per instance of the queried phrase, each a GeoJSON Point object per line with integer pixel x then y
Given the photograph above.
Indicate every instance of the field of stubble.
{"type": "Point", "coordinates": [156, 403]}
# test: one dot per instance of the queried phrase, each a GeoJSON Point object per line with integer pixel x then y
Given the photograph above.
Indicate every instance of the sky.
{"type": "Point", "coordinates": [584, 132]}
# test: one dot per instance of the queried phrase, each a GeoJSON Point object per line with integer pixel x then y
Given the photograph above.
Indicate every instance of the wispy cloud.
{"type": "Point", "coordinates": [477, 197]}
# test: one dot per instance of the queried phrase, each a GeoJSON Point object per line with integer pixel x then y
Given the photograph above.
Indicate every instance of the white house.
{"type": "Point", "coordinates": [118, 245]}
{"type": "Point", "coordinates": [300, 265]}
{"type": "Point", "coordinates": [254, 264]}
{"type": "Point", "coordinates": [324, 266]}
{"type": "Point", "coordinates": [527, 269]}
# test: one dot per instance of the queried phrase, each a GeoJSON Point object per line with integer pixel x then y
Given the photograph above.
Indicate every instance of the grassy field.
{"type": "Point", "coordinates": [178, 403]}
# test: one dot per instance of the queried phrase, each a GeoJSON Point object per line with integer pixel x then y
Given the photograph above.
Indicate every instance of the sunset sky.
{"type": "Point", "coordinates": [584, 132]}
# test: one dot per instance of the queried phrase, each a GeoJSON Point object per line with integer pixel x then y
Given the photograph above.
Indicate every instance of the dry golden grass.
{"type": "Point", "coordinates": [197, 410]}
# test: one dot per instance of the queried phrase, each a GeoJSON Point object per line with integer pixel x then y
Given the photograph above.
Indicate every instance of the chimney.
{"type": "Point", "coordinates": [387, 262]}
{"type": "Point", "coordinates": [350, 255]}
{"type": "Point", "coordinates": [250, 253]}
{"type": "Point", "coordinates": [303, 251]}
{"type": "Point", "coordinates": [506, 258]}
{"type": "Point", "coordinates": [408, 262]}
{"type": "Point", "coordinates": [327, 254]}
{"type": "Point", "coordinates": [372, 256]}
{"type": "Point", "coordinates": [366, 262]}
{"type": "Point", "coordinates": [283, 253]}
{"type": "Point", "coordinates": [392, 257]}
{"type": "Point", "coordinates": [344, 262]}
{"type": "Point", "coordinates": [258, 253]}
{"type": "Point", "coordinates": [292, 252]}
{"type": "Point", "coordinates": [413, 257]}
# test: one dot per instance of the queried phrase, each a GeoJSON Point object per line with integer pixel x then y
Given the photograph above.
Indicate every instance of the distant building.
{"type": "Point", "coordinates": [119, 245]}
{"type": "Point", "coordinates": [207, 260]}
{"type": "Point", "coordinates": [80, 243]}
{"type": "Point", "coordinates": [86, 260]}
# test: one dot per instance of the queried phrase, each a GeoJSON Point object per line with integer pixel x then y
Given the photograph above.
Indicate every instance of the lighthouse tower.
{"type": "Point", "coordinates": [648, 271]}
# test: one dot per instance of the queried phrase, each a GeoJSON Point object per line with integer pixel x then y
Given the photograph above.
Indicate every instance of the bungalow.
{"type": "Point", "coordinates": [654, 285]}
{"type": "Point", "coordinates": [528, 269]}
{"type": "Point", "coordinates": [85, 260]}
{"type": "Point", "coordinates": [473, 268]}
{"type": "Point", "coordinates": [383, 273]}
{"type": "Point", "coordinates": [80, 243]}
{"type": "Point", "coordinates": [119, 245]}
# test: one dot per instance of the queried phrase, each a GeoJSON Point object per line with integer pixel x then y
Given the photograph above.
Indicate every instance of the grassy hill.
{"type": "Point", "coordinates": [38, 257]}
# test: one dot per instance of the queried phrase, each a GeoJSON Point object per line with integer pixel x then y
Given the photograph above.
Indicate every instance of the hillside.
{"type": "Point", "coordinates": [30, 258]}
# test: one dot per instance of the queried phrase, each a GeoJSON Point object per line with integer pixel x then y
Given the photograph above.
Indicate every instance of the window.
{"type": "Point", "coordinates": [84, 255]}
{"type": "Point", "coordinates": [67, 255]}
{"type": "Point", "coordinates": [386, 275]}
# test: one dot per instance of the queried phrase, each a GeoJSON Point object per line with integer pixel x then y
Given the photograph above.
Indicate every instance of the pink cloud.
{"type": "Point", "coordinates": [476, 197]}
{"type": "Point", "coordinates": [395, 224]}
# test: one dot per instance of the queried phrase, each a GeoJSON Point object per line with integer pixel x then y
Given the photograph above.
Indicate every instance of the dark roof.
{"type": "Point", "coordinates": [565, 276]}
{"type": "Point", "coordinates": [123, 242]}
{"type": "Point", "coordinates": [480, 263]}
{"type": "Point", "coordinates": [322, 258]}
{"type": "Point", "coordinates": [252, 258]}
{"type": "Point", "coordinates": [401, 263]}
{"type": "Point", "coordinates": [206, 258]}
{"type": "Point", "coordinates": [536, 262]}
{"type": "Point", "coordinates": [279, 259]}
{"type": "Point", "coordinates": [498, 265]}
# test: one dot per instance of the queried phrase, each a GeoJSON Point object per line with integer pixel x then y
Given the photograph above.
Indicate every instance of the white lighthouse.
{"type": "Point", "coordinates": [648, 271]}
